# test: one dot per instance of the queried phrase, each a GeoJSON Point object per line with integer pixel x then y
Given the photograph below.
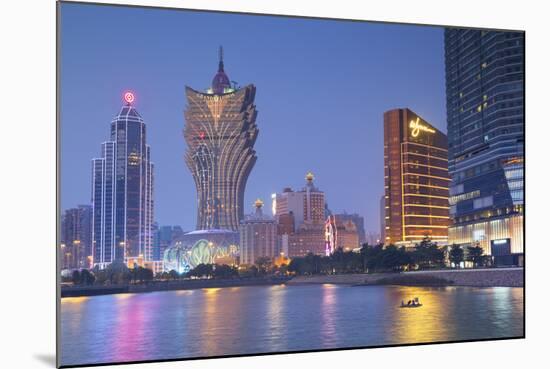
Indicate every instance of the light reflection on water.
{"type": "Point", "coordinates": [244, 320]}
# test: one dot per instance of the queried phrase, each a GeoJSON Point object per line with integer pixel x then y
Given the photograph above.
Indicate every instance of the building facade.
{"type": "Point", "coordinates": [220, 132]}
{"type": "Point", "coordinates": [76, 237]}
{"type": "Point", "coordinates": [258, 236]}
{"type": "Point", "coordinates": [164, 237]}
{"type": "Point", "coordinates": [357, 220]}
{"type": "Point", "coordinates": [485, 125]}
{"type": "Point", "coordinates": [301, 219]}
{"type": "Point", "coordinates": [416, 179]}
{"type": "Point", "coordinates": [122, 192]}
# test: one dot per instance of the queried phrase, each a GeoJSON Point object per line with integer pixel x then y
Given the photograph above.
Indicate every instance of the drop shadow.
{"type": "Point", "coordinates": [47, 359]}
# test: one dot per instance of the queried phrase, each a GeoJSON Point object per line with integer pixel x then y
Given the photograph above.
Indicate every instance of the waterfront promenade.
{"type": "Point", "coordinates": [495, 277]}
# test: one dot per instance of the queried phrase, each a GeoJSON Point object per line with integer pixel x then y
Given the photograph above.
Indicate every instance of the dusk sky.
{"type": "Point", "coordinates": [322, 89]}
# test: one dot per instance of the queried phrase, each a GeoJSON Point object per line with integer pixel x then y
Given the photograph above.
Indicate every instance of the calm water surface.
{"type": "Point", "coordinates": [246, 320]}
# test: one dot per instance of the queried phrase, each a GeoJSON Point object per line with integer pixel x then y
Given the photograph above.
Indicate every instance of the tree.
{"type": "Point", "coordinates": [225, 271]}
{"type": "Point", "coordinates": [456, 255]}
{"type": "Point", "coordinates": [427, 254]}
{"type": "Point", "coordinates": [173, 275]}
{"type": "Point", "coordinates": [86, 278]}
{"type": "Point", "coordinates": [475, 255]}
{"type": "Point", "coordinates": [264, 264]}
{"type": "Point", "coordinates": [76, 277]}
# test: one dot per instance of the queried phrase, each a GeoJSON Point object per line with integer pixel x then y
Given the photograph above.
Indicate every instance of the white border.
{"type": "Point", "coordinates": [27, 85]}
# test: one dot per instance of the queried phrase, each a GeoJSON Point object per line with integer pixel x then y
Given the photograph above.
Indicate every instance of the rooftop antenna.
{"type": "Point", "coordinates": [221, 59]}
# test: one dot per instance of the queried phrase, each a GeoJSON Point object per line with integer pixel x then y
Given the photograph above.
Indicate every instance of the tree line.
{"type": "Point", "coordinates": [375, 259]}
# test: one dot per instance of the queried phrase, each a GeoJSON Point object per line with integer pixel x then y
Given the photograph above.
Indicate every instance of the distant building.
{"type": "Point", "coordinates": [373, 238]}
{"type": "Point", "coordinates": [485, 124]}
{"type": "Point", "coordinates": [340, 233]}
{"type": "Point", "coordinates": [416, 179]}
{"type": "Point", "coordinates": [258, 236]}
{"type": "Point", "coordinates": [164, 237]}
{"type": "Point", "coordinates": [220, 132]}
{"type": "Point", "coordinates": [301, 219]}
{"type": "Point", "coordinates": [122, 192]}
{"type": "Point", "coordinates": [357, 220]}
{"type": "Point", "coordinates": [76, 237]}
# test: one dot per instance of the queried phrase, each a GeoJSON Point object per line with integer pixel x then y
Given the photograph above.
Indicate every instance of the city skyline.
{"type": "Point", "coordinates": [344, 96]}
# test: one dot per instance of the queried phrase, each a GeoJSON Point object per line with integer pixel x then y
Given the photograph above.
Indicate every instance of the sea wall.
{"type": "Point", "coordinates": [499, 277]}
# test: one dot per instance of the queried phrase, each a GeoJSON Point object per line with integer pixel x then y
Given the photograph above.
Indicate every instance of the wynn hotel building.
{"type": "Point", "coordinates": [416, 179]}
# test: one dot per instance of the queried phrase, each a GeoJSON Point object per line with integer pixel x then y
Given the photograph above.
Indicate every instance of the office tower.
{"type": "Point", "coordinates": [76, 237]}
{"type": "Point", "coordinates": [258, 236]}
{"type": "Point", "coordinates": [122, 192]}
{"type": "Point", "coordinates": [485, 125]}
{"type": "Point", "coordinates": [416, 179]}
{"type": "Point", "coordinates": [220, 132]}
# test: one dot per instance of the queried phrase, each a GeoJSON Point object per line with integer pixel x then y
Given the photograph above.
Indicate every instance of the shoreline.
{"type": "Point", "coordinates": [156, 286]}
{"type": "Point", "coordinates": [501, 277]}
{"type": "Point", "coordinates": [494, 277]}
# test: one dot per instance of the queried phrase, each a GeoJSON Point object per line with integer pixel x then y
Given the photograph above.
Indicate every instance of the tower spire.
{"type": "Point", "coordinates": [220, 65]}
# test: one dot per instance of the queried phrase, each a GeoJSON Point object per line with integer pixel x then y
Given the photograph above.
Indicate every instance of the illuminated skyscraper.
{"type": "Point", "coordinates": [122, 192]}
{"type": "Point", "coordinates": [220, 133]}
{"type": "Point", "coordinates": [416, 179]}
{"type": "Point", "coordinates": [485, 124]}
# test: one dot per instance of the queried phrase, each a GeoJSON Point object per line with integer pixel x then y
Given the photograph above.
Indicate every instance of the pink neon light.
{"type": "Point", "coordinates": [129, 97]}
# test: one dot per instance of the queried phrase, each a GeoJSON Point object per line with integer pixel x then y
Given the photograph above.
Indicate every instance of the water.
{"type": "Point", "coordinates": [258, 319]}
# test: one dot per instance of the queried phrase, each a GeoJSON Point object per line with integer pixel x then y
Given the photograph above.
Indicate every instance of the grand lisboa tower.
{"type": "Point", "coordinates": [220, 133]}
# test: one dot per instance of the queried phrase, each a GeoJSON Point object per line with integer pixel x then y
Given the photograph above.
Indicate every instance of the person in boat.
{"type": "Point", "coordinates": [409, 303]}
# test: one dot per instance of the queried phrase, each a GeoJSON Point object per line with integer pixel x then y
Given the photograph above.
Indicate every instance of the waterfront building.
{"type": "Point", "coordinates": [220, 132]}
{"type": "Point", "coordinates": [309, 238]}
{"type": "Point", "coordinates": [485, 125]}
{"type": "Point", "coordinates": [212, 246]}
{"type": "Point", "coordinates": [416, 179]}
{"type": "Point", "coordinates": [258, 236]}
{"type": "Point", "coordinates": [76, 237]}
{"type": "Point", "coordinates": [122, 192]}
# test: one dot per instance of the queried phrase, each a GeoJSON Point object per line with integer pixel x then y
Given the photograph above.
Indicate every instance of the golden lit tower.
{"type": "Point", "coordinates": [220, 133]}
{"type": "Point", "coordinates": [416, 179]}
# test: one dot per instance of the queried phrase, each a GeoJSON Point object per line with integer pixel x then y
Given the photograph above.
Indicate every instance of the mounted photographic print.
{"type": "Point", "coordinates": [240, 184]}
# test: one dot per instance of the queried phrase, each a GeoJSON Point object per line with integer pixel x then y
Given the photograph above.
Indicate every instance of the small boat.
{"type": "Point", "coordinates": [411, 304]}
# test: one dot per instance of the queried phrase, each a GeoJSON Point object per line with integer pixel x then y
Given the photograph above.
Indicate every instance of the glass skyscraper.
{"type": "Point", "coordinates": [220, 132]}
{"type": "Point", "coordinates": [485, 126]}
{"type": "Point", "coordinates": [122, 192]}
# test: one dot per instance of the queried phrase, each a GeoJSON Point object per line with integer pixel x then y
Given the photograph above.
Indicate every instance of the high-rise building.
{"type": "Point", "coordinates": [416, 179]}
{"type": "Point", "coordinates": [76, 237]}
{"type": "Point", "coordinates": [258, 236]}
{"type": "Point", "coordinates": [220, 132]}
{"type": "Point", "coordinates": [306, 206]}
{"type": "Point", "coordinates": [485, 125]}
{"type": "Point", "coordinates": [122, 192]}
{"type": "Point", "coordinates": [303, 212]}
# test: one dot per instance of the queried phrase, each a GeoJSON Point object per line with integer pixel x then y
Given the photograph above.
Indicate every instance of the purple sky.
{"type": "Point", "coordinates": [322, 89]}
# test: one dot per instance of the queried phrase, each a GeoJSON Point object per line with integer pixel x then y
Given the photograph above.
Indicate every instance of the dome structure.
{"type": "Point", "coordinates": [213, 246]}
{"type": "Point", "coordinates": [220, 82]}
